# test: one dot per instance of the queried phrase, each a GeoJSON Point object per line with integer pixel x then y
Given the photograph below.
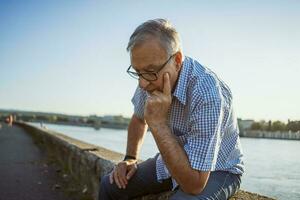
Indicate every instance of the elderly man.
{"type": "Point", "coordinates": [190, 115]}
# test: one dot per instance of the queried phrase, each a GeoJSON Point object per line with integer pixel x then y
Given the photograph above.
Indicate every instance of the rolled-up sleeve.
{"type": "Point", "coordinates": [138, 100]}
{"type": "Point", "coordinates": [204, 139]}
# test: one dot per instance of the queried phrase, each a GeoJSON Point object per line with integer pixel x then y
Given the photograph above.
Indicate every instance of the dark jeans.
{"type": "Point", "coordinates": [221, 185]}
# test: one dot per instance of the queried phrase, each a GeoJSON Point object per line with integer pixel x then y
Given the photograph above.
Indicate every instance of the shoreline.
{"type": "Point", "coordinates": [244, 134]}
{"type": "Point", "coordinates": [271, 135]}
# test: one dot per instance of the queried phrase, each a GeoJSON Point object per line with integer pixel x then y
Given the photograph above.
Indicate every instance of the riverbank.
{"type": "Point", "coordinates": [271, 135]}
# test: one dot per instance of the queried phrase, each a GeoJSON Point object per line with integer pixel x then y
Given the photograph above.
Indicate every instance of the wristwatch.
{"type": "Point", "coordinates": [128, 157]}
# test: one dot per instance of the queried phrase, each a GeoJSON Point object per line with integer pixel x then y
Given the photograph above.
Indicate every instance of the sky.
{"type": "Point", "coordinates": [70, 56]}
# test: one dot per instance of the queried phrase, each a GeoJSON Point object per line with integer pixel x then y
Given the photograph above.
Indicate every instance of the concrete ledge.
{"type": "Point", "coordinates": [240, 195]}
{"type": "Point", "coordinates": [86, 163]}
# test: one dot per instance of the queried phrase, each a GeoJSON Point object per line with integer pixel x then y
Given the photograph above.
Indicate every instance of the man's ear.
{"type": "Point", "coordinates": [178, 60]}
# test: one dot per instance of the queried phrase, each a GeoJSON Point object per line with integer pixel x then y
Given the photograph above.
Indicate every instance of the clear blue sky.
{"type": "Point", "coordinates": [70, 57]}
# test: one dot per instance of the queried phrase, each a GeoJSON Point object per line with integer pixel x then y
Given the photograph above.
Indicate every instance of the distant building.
{"type": "Point", "coordinates": [108, 119]}
{"type": "Point", "coordinates": [245, 124]}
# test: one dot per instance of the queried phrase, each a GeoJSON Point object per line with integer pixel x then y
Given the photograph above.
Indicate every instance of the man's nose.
{"type": "Point", "coordinates": [143, 82]}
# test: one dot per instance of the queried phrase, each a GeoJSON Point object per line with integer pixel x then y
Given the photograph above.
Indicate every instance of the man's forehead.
{"type": "Point", "coordinates": [147, 63]}
{"type": "Point", "coordinates": [148, 48]}
{"type": "Point", "coordinates": [146, 57]}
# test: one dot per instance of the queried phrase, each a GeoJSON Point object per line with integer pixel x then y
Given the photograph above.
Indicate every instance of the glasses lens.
{"type": "Point", "coordinates": [147, 76]}
{"type": "Point", "coordinates": [133, 75]}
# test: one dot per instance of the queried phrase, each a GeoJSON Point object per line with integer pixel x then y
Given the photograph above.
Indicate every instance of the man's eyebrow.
{"type": "Point", "coordinates": [150, 68]}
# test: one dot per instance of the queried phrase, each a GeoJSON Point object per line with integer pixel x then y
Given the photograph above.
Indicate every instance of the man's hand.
{"type": "Point", "coordinates": [158, 104]}
{"type": "Point", "coordinates": [122, 172]}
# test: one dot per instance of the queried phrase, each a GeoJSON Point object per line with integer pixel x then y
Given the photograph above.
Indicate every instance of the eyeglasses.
{"type": "Point", "coordinates": [149, 76]}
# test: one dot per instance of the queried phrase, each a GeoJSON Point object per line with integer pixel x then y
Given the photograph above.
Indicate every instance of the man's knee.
{"type": "Point", "coordinates": [104, 182]}
{"type": "Point", "coordinates": [180, 195]}
{"type": "Point", "coordinates": [111, 191]}
{"type": "Point", "coordinates": [106, 189]}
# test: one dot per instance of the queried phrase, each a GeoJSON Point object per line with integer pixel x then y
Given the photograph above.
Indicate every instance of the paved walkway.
{"type": "Point", "coordinates": [24, 173]}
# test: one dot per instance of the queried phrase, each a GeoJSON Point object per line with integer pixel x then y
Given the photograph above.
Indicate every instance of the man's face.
{"type": "Point", "coordinates": [149, 57]}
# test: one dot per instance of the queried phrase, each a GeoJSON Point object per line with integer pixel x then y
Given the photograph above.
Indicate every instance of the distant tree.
{"type": "Point", "coordinates": [62, 119]}
{"type": "Point", "coordinates": [269, 126]}
{"type": "Point", "coordinates": [293, 126]}
{"type": "Point", "coordinates": [90, 121]}
{"type": "Point", "coordinates": [256, 126]}
{"type": "Point", "coordinates": [264, 125]}
{"type": "Point", "coordinates": [53, 118]}
{"type": "Point", "coordinates": [41, 118]}
{"type": "Point", "coordinates": [25, 118]}
{"type": "Point", "coordinates": [3, 117]}
{"type": "Point", "coordinates": [278, 126]}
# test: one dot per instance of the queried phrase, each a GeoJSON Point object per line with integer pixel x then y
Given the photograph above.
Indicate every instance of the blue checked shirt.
{"type": "Point", "coordinates": [201, 117]}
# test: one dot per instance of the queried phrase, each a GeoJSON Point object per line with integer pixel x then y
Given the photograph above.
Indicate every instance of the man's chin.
{"type": "Point", "coordinates": [150, 91]}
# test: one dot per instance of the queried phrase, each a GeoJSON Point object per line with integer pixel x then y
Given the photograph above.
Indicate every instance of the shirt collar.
{"type": "Point", "coordinates": [181, 87]}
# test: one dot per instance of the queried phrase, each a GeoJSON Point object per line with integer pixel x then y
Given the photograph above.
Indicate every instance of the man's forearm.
{"type": "Point", "coordinates": [136, 132]}
{"type": "Point", "coordinates": [172, 152]}
{"type": "Point", "coordinates": [177, 161]}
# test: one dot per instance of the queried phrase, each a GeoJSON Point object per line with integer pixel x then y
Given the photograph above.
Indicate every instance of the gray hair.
{"type": "Point", "coordinates": [158, 28]}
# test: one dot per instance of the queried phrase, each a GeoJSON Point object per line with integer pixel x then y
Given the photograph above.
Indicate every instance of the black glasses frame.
{"type": "Point", "coordinates": [137, 75]}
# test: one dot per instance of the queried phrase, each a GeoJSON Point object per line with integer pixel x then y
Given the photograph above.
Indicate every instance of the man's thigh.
{"type": "Point", "coordinates": [220, 186]}
{"type": "Point", "coordinates": [143, 182]}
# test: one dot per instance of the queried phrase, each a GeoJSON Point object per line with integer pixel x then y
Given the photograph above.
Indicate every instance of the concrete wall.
{"type": "Point", "coordinates": [86, 163]}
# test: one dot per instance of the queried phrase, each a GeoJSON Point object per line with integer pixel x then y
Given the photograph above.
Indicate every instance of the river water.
{"type": "Point", "coordinates": [272, 166]}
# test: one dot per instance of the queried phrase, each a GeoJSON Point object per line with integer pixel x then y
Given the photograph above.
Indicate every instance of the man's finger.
{"type": "Point", "coordinates": [155, 93]}
{"type": "Point", "coordinates": [167, 84]}
{"type": "Point", "coordinates": [117, 180]}
{"type": "Point", "coordinates": [121, 181]}
{"type": "Point", "coordinates": [122, 178]}
{"type": "Point", "coordinates": [130, 173]}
